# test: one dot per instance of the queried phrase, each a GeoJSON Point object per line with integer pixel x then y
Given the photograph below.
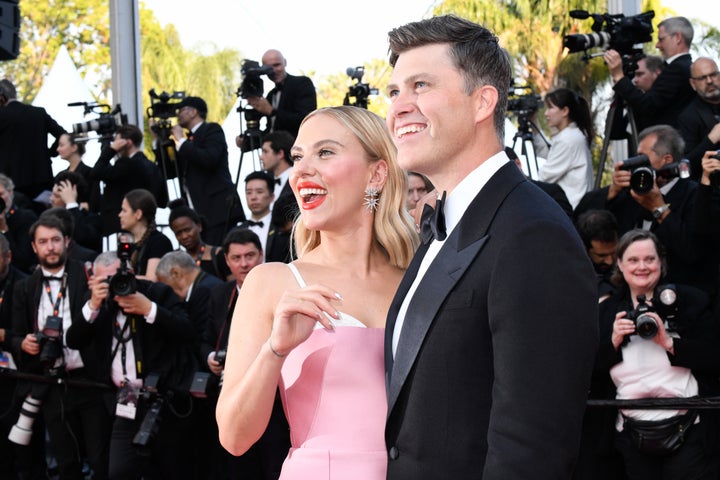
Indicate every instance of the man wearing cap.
{"type": "Point", "coordinates": [203, 161]}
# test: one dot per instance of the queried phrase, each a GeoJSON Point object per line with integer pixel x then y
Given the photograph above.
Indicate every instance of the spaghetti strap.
{"type": "Point", "coordinates": [297, 275]}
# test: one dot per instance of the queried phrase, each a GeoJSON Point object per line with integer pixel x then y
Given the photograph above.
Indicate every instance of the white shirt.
{"type": "Point", "coordinates": [262, 232]}
{"type": "Point", "coordinates": [569, 164]}
{"type": "Point", "coordinates": [73, 360]}
{"type": "Point", "coordinates": [456, 204]}
{"type": "Point", "coordinates": [283, 177]}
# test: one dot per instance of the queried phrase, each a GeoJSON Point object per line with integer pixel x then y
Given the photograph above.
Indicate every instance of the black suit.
{"type": "Point", "coordinates": [667, 97]}
{"type": "Point", "coordinates": [126, 174]}
{"type": "Point", "coordinates": [164, 347]}
{"type": "Point", "coordinates": [19, 221]}
{"type": "Point", "coordinates": [296, 101]}
{"type": "Point", "coordinates": [203, 159]}
{"type": "Point", "coordinates": [199, 308]}
{"type": "Point", "coordinates": [695, 123]}
{"type": "Point", "coordinates": [492, 367]}
{"type": "Point", "coordinates": [70, 413]}
{"type": "Point", "coordinates": [556, 192]}
{"type": "Point", "coordinates": [25, 158]}
{"type": "Point", "coordinates": [88, 228]}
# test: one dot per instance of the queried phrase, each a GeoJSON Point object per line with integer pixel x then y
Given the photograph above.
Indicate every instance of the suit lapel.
{"type": "Point", "coordinates": [456, 255]}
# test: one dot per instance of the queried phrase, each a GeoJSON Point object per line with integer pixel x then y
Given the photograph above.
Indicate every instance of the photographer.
{"type": "Point", "coordinates": [674, 357]}
{"type": "Point", "coordinates": [203, 161]}
{"type": "Point", "coordinates": [15, 222]}
{"type": "Point", "coordinates": [287, 104]}
{"type": "Point", "coordinates": [671, 91]}
{"type": "Point", "coordinates": [133, 336]}
{"type": "Point", "coordinates": [45, 306]}
{"type": "Point", "coordinates": [663, 206]}
{"type": "Point", "coordinates": [568, 162]}
{"type": "Point", "coordinates": [131, 170]}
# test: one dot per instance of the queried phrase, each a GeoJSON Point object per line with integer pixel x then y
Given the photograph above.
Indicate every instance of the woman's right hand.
{"type": "Point", "coordinates": [622, 327]}
{"type": "Point", "coordinates": [296, 314]}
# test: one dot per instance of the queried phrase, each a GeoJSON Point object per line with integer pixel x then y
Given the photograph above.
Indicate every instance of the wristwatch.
{"type": "Point", "coordinates": [658, 212]}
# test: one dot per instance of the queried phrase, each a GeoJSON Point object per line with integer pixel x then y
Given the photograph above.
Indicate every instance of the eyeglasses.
{"type": "Point", "coordinates": [710, 76]}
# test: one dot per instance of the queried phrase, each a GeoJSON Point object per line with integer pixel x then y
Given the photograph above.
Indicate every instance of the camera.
{"type": "Point", "coordinates": [50, 341]}
{"type": "Point", "coordinates": [252, 84]}
{"type": "Point", "coordinates": [524, 103]}
{"type": "Point", "coordinates": [616, 32]}
{"type": "Point", "coordinates": [123, 282]}
{"type": "Point", "coordinates": [665, 304]}
{"type": "Point", "coordinates": [645, 325]}
{"type": "Point", "coordinates": [164, 106]}
{"type": "Point", "coordinates": [359, 91]}
{"type": "Point", "coordinates": [21, 432]}
{"type": "Point", "coordinates": [643, 175]}
{"type": "Point", "coordinates": [104, 125]}
{"type": "Point", "coordinates": [149, 426]}
{"type": "Point", "coordinates": [220, 356]}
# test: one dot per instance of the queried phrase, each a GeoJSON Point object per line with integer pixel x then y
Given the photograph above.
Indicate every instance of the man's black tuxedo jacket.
{"type": "Point", "coordinates": [25, 155]}
{"type": "Point", "coordinates": [199, 308]}
{"type": "Point", "coordinates": [297, 100]}
{"type": "Point", "coordinates": [27, 295]}
{"type": "Point", "coordinates": [666, 99]}
{"type": "Point", "coordinates": [494, 360]}
{"type": "Point", "coordinates": [203, 160]}
{"type": "Point", "coordinates": [695, 123]}
{"type": "Point", "coordinates": [164, 347]}
{"type": "Point", "coordinates": [128, 173]}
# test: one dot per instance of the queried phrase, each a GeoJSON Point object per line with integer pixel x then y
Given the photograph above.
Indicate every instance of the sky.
{"type": "Point", "coordinates": [322, 35]}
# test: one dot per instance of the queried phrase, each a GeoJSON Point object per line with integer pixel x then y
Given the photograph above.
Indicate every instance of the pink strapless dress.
{"type": "Point", "coordinates": [333, 392]}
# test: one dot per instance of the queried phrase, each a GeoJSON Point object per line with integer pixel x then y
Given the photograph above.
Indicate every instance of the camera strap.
{"type": "Point", "coordinates": [122, 339]}
{"type": "Point", "coordinates": [60, 295]}
{"type": "Point", "coordinates": [228, 317]}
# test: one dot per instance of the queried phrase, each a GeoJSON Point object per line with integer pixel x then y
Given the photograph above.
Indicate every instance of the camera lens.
{"type": "Point", "coordinates": [646, 326]}
{"type": "Point", "coordinates": [642, 180]}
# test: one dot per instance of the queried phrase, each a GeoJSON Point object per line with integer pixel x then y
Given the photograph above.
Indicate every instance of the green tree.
{"type": "Point", "coordinates": [81, 25]}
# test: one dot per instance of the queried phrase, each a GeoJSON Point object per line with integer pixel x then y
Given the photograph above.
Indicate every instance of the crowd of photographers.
{"type": "Point", "coordinates": [117, 356]}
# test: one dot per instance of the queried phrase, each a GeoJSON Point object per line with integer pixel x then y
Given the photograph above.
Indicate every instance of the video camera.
{"type": "Point", "coordinates": [123, 282]}
{"type": "Point", "coordinates": [643, 175]}
{"type": "Point", "coordinates": [616, 32]}
{"type": "Point", "coordinates": [105, 124]}
{"type": "Point", "coordinates": [252, 84]}
{"type": "Point", "coordinates": [359, 90]}
{"type": "Point", "coordinates": [164, 106]}
{"type": "Point", "coordinates": [524, 103]}
{"type": "Point", "coordinates": [666, 307]}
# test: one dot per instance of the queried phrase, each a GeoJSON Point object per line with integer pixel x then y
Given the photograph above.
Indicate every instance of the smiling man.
{"type": "Point", "coordinates": [490, 339]}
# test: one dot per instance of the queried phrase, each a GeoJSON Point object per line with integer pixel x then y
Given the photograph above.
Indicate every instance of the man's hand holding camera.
{"type": "Point", "coordinates": [132, 304]}
{"type": "Point", "coordinates": [651, 200]}
{"type": "Point", "coordinates": [215, 366]}
{"type": "Point", "coordinates": [30, 344]}
{"type": "Point", "coordinates": [623, 327]}
{"type": "Point", "coordinates": [615, 64]}
{"type": "Point", "coordinates": [260, 104]}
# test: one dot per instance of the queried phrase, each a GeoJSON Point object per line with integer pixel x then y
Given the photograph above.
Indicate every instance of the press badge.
{"type": "Point", "coordinates": [127, 398]}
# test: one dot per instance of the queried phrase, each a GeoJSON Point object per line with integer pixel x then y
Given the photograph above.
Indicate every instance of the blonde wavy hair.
{"type": "Point", "coordinates": [392, 228]}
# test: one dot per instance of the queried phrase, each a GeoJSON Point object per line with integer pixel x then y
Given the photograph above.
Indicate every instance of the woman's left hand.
{"type": "Point", "coordinates": [661, 337]}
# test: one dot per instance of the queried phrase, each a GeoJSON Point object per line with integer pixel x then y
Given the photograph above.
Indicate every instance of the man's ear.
{"type": "Point", "coordinates": [486, 99]}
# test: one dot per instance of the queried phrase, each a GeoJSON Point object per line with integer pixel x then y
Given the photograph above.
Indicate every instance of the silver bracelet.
{"type": "Point", "coordinates": [275, 352]}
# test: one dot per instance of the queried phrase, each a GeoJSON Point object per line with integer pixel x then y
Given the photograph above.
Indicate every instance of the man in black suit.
{"type": "Point", "coordinates": [670, 92]}
{"type": "Point", "coordinates": [275, 158]}
{"type": "Point", "coordinates": [138, 337]}
{"type": "Point", "coordinates": [131, 170]}
{"type": "Point", "coordinates": [203, 162]}
{"type": "Point", "coordinates": [69, 192]}
{"type": "Point", "coordinates": [292, 98]}
{"type": "Point", "coordinates": [49, 302]}
{"type": "Point", "coordinates": [264, 459]}
{"type": "Point", "coordinates": [699, 123]}
{"type": "Point", "coordinates": [490, 339]}
{"type": "Point", "coordinates": [24, 133]}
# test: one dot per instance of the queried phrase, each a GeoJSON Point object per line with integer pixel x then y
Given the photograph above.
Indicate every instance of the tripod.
{"type": "Point", "coordinates": [632, 141]}
{"type": "Point", "coordinates": [524, 137]}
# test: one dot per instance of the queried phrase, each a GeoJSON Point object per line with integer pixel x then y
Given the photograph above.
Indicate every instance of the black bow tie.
{"type": "Point", "coordinates": [253, 223]}
{"type": "Point", "coordinates": [50, 278]}
{"type": "Point", "coordinates": [278, 181]}
{"type": "Point", "coordinates": [433, 221]}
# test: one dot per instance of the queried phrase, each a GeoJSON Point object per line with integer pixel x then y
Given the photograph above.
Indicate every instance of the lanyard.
{"type": "Point", "coordinates": [199, 257]}
{"type": "Point", "coordinates": [122, 339]}
{"type": "Point", "coordinates": [60, 295]}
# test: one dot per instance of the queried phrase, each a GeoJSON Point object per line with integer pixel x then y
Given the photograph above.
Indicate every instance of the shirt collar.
{"type": "Point", "coordinates": [460, 198]}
